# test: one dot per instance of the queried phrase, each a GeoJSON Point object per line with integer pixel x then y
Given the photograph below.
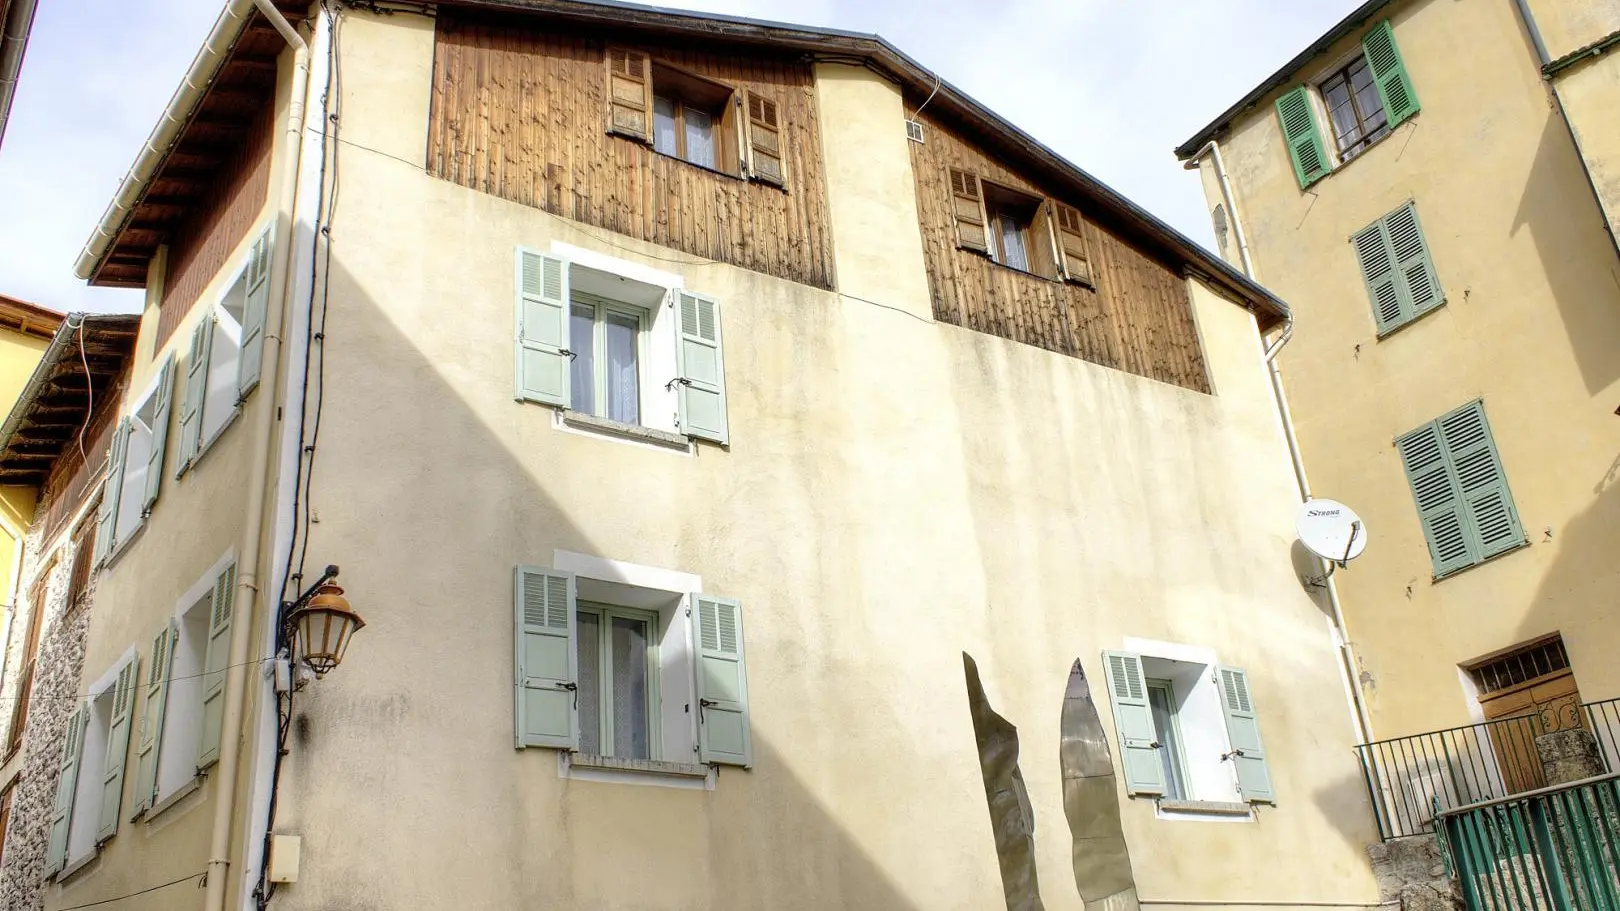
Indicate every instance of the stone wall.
{"type": "Point", "coordinates": [57, 684]}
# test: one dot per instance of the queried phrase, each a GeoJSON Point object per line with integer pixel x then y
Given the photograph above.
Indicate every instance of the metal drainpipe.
{"type": "Point", "coordinates": [13, 44]}
{"type": "Point", "coordinates": [1347, 657]}
{"type": "Point", "coordinates": [247, 573]}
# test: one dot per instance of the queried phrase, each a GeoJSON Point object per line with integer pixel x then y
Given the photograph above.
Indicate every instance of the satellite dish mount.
{"type": "Point", "coordinates": [1333, 532]}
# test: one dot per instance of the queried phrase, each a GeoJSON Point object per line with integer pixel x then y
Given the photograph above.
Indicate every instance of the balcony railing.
{"type": "Point", "coordinates": [1410, 778]}
{"type": "Point", "coordinates": [1554, 849]}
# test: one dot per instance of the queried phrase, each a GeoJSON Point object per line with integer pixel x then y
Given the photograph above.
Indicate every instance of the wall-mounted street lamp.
{"type": "Point", "coordinates": [318, 625]}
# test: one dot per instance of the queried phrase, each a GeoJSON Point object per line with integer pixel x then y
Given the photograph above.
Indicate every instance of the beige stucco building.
{"type": "Point", "coordinates": [680, 422]}
{"type": "Point", "coordinates": [1432, 184]}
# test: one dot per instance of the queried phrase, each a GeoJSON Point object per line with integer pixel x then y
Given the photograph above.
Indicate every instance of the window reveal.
{"type": "Point", "coordinates": [1354, 108]}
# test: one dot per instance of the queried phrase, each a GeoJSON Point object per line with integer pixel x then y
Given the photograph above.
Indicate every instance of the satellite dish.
{"type": "Point", "coordinates": [1331, 530]}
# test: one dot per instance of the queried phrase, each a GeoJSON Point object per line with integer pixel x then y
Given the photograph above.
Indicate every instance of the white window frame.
{"type": "Point", "coordinates": [605, 614]}
{"type": "Point", "coordinates": [603, 307]}
{"type": "Point", "coordinates": [227, 327]}
{"type": "Point", "coordinates": [1175, 745]}
{"type": "Point", "coordinates": [124, 535]}
{"type": "Point", "coordinates": [178, 745]}
{"type": "Point", "coordinates": [92, 766]}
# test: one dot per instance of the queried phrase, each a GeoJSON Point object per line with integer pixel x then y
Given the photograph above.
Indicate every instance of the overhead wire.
{"type": "Point", "coordinates": [108, 901]}
{"type": "Point", "coordinates": [82, 696]}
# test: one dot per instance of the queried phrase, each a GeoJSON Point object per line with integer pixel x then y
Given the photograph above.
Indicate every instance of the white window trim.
{"type": "Point", "coordinates": [676, 774]}
{"type": "Point", "coordinates": [203, 587]}
{"type": "Point", "coordinates": [121, 544]}
{"type": "Point", "coordinates": [1217, 811]}
{"type": "Point", "coordinates": [217, 312]}
{"type": "Point", "coordinates": [107, 680]}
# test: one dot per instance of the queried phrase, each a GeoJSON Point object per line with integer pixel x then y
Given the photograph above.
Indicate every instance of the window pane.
{"type": "Point", "coordinates": [1012, 242]}
{"type": "Point", "coordinates": [590, 682]}
{"type": "Point", "coordinates": [1169, 745]}
{"type": "Point", "coordinates": [630, 689]}
{"type": "Point", "coordinates": [623, 392]}
{"type": "Point", "coordinates": [699, 138]}
{"type": "Point", "coordinates": [664, 126]}
{"type": "Point", "coordinates": [582, 372]}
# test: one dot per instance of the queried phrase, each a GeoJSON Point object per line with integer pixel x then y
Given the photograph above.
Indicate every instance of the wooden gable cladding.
{"type": "Point", "coordinates": [521, 110]}
{"type": "Point", "coordinates": [1137, 317]}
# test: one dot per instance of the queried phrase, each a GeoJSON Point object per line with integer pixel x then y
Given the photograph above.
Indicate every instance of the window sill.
{"type": "Point", "coordinates": [1205, 807]}
{"type": "Point", "coordinates": [208, 444]}
{"type": "Point", "coordinates": [646, 772]}
{"type": "Point", "coordinates": [1411, 322]}
{"type": "Point", "coordinates": [75, 867]}
{"type": "Point", "coordinates": [1451, 574]}
{"type": "Point", "coordinates": [1340, 163]}
{"type": "Point", "coordinates": [180, 794]}
{"type": "Point", "coordinates": [120, 545]}
{"type": "Point", "coordinates": [579, 420]}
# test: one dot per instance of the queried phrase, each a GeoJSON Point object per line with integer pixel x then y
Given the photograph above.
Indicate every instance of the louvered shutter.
{"type": "Point", "coordinates": [1243, 733]}
{"type": "Point", "coordinates": [107, 513]}
{"type": "Point", "coordinates": [255, 307]}
{"type": "Point", "coordinates": [722, 682]}
{"type": "Point", "coordinates": [67, 785]}
{"type": "Point", "coordinates": [1071, 237]}
{"type": "Point", "coordinates": [216, 665]}
{"type": "Point", "coordinates": [1389, 72]}
{"type": "Point", "coordinates": [629, 75]}
{"type": "Point", "coordinates": [1133, 719]}
{"type": "Point", "coordinates": [160, 435]}
{"type": "Point", "coordinates": [542, 329]}
{"type": "Point", "coordinates": [1303, 138]}
{"type": "Point", "coordinates": [545, 667]}
{"type": "Point", "coordinates": [112, 770]}
{"type": "Point", "coordinates": [764, 140]}
{"type": "Point", "coordinates": [1378, 271]}
{"type": "Point", "coordinates": [1413, 264]}
{"type": "Point", "coordinates": [154, 699]}
{"type": "Point", "coordinates": [1439, 502]}
{"type": "Point", "coordinates": [701, 364]}
{"type": "Point", "coordinates": [967, 204]}
{"type": "Point", "coordinates": [191, 405]}
{"type": "Point", "coordinates": [1493, 522]}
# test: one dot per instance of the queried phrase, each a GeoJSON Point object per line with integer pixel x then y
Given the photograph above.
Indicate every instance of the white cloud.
{"type": "Point", "coordinates": [1111, 86]}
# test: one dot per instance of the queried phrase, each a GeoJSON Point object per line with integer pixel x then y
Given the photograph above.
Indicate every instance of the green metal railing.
{"type": "Point", "coordinates": [1554, 849]}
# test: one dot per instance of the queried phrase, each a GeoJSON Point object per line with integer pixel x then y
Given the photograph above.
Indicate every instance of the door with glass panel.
{"type": "Point", "coordinates": [618, 689]}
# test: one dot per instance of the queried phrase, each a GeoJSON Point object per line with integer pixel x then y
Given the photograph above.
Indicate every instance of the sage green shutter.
{"type": "Point", "coordinates": [215, 666]}
{"type": "Point", "coordinates": [700, 362]}
{"type": "Point", "coordinates": [154, 704]}
{"type": "Point", "coordinates": [67, 785]}
{"type": "Point", "coordinates": [1378, 271]}
{"type": "Point", "coordinates": [1389, 72]}
{"type": "Point", "coordinates": [1133, 718]}
{"type": "Point", "coordinates": [1303, 138]}
{"type": "Point", "coordinates": [1398, 268]}
{"type": "Point", "coordinates": [1243, 733]}
{"type": "Point", "coordinates": [253, 316]}
{"type": "Point", "coordinates": [722, 682]}
{"type": "Point", "coordinates": [191, 405]}
{"type": "Point", "coordinates": [112, 770]}
{"type": "Point", "coordinates": [160, 435]}
{"type": "Point", "coordinates": [546, 660]}
{"type": "Point", "coordinates": [1460, 489]}
{"type": "Point", "coordinates": [542, 329]}
{"type": "Point", "coordinates": [107, 514]}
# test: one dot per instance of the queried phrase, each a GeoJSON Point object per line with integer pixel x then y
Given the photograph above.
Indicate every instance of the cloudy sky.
{"type": "Point", "coordinates": [1112, 85]}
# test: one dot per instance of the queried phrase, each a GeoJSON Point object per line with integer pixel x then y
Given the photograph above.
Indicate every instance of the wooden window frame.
{"type": "Point", "coordinates": [605, 613]}
{"type": "Point", "coordinates": [683, 89]}
{"type": "Point", "coordinates": [1348, 146]}
{"type": "Point", "coordinates": [1029, 212]}
{"type": "Point", "coordinates": [601, 307]}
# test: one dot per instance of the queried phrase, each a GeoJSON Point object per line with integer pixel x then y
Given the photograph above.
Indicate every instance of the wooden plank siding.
{"type": "Point", "coordinates": [1138, 319]}
{"type": "Point", "coordinates": [520, 111]}
{"type": "Point", "coordinates": [202, 245]}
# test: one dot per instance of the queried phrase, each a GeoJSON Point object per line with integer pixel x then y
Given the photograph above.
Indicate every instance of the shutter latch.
{"type": "Point", "coordinates": [678, 381]}
{"type": "Point", "coordinates": [707, 703]}
{"type": "Point", "coordinates": [1234, 753]}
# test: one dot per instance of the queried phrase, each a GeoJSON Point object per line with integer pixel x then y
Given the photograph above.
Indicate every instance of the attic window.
{"type": "Point", "coordinates": [1015, 241]}
{"type": "Point", "coordinates": [692, 120]}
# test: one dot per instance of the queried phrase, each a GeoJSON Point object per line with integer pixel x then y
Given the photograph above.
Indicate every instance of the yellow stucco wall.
{"type": "Point", "coordinates": [896, 491]}
{"type": "Point", "coordinates": [19, 355]}
{"type": "Point", "coordinates": [1590, 94]}
{"type": "Point", "coordinates": [1531, 324]}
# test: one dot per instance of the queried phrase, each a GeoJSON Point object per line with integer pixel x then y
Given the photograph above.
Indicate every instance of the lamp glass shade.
{"type": "Point", "coordinates": [324, 627]}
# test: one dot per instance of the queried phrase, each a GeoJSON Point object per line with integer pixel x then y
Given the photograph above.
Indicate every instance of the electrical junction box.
{"type": "Point", "coordinates": [282, 864]}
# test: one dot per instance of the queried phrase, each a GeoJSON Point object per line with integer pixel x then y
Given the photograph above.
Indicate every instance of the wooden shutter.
{"type": "Point", "coordinates": [629, 76]}
{"type": "Point", "coordinates": [701, 364]}
{"type": "Point", "coordinates": [107, 512]}
{"type": "Point", "coordinates": [1133, 719]}
{"type": "Point", "coordinates": [1439, 502]}
{"type": "Point", "coordinates": [191, 406]}
{"type": "Point", "coordinates": [160, 435]}
{"type": "Point", "coordinates": [545, 667]}
{"type": "Point", "coordinates": [67, 785]}
{"type": "Point", "coordinates": [112, 769]}
{"type": "Point", "coordinates": [1492, 521]}
{"type": "Point", "coordinates": [154, 699]}
{"type": "Point", "coordinates": [255, 307]}
{"type": "Point", "coordinates": [1389, 72]}
{"type": "Point", "coordinates": [722, 682]}
{"type": "Point", "coordinates": [216, 663]}
{"type": "Point", "coordinates": [764, 140]}
{"type": "Point", "coordinates": [1420, 285]}
{"type": "Point", "coordinates": [1243, 733]}
{"type": "Point", "coordinates": [967, 203]}
{"type": "Point", "coordinates": [1071, 237]}
{"type": "Point", "coordinates": [542, 329]}
{"type": "Point", "coordinates": [1303, 138]}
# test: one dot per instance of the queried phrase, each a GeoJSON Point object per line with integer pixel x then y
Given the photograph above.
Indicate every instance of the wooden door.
{"type": "Point", "coordinates": [1519, 714]}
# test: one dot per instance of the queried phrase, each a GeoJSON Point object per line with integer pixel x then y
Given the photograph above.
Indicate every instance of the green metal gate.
{"type": "Point", "coordinates": [1555, 849]}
